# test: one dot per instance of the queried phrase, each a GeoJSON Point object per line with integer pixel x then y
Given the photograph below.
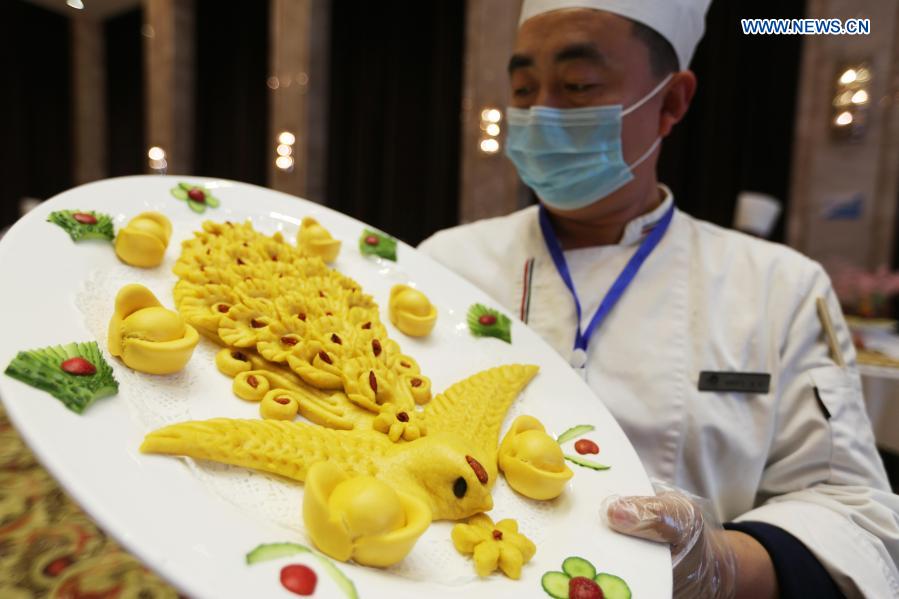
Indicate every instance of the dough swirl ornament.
{"type": "Point", "coordinates": [314, 240]}
{"type": "Point", "coordinates": [144, 240]}
{"type": "Point", "coordinates": [411, 311]}
{"type": "Point", "coordinates": [147, 337]}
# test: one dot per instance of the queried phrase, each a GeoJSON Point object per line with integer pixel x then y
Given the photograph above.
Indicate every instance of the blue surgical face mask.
{"type": "Point", "coordinates": [572, 157]}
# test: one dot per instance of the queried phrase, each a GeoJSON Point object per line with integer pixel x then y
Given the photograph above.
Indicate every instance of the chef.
{"type": "Point", "coordinates": [711, 348]}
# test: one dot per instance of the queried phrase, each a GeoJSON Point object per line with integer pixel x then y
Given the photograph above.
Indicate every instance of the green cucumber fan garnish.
{"type": "Point", "coordinates": [487, 322]}
{"type": "Point", "coordinates": [75, 373]}
{"type": "Point", "coordinates": [84, 224]}
{"type": "Point", "coordinates": [373, 243]}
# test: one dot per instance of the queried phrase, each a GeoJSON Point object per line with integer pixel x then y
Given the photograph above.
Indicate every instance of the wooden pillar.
{"type": "Point", "coordinates": [169, 75]}
{"type": "Point", "coordinates": [89, 99]}
{"type": "Point", "coordinates": [826, 170]}
{"type": "Point", "coordinates": [317, 95]}
{"type": "Point", "coordinates": [298, 84]}
{"type": "Point", "coordinates": [489, 185]}
{"type": "Point", "coordinates": [885, 216]}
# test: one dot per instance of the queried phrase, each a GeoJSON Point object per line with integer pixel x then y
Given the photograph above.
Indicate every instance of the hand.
{"type": "Point", "coordinates": [704, 562]}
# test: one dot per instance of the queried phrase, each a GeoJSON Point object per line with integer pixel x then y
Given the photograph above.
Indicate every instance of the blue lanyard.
{"type": "Point", "coordinates": [618, 287]}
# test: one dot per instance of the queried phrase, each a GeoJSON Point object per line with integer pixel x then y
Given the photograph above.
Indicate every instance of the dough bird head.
{"type": "Point", "coordinates": [448, 473]}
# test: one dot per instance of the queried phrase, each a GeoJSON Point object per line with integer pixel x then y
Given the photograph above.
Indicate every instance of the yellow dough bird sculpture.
{"type": "Point", "coordinates": [452, 468]}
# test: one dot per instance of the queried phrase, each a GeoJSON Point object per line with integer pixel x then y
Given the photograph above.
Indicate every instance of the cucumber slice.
{"type": "Point", "coordinates": [212, 201]}
{"type": "Point", "coordinates": [555, 584]}
{"type": "Point", "coordinates": [612, 586]}
{"type": "Point", "coordinates": [186, 186]}
{"type": "Point", "coordinates": [272, 551]}
{"type": "Point", "coordinates": [179, 193]}
{"type": "Point", "coordinates": [578, 566]}
{"type": "Point", "coordinates": [196, 206]}
{"type": "Point", "coordinates": [586, 463]}
{"type": "Point", "coordinates": [574, 431]}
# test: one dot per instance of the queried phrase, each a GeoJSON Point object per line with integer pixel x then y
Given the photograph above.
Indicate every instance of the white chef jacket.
{"type": "Point", "coordinates": [800, 457]}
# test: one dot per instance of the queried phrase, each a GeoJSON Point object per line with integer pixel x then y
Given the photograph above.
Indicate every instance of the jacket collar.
{"type": "Point", "coordinates": [642, 225]}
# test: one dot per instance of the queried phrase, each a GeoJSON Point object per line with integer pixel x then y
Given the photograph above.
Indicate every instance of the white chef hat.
{"type": "Point", "coordinates": [681, 22]}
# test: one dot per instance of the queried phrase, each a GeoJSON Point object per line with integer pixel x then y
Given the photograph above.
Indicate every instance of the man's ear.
{"type": "Point", "coordinates": [676, 101]}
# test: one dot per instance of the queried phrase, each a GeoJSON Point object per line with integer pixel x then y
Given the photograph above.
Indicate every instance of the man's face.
{"type": "Point", "coordinates": [574, 58]}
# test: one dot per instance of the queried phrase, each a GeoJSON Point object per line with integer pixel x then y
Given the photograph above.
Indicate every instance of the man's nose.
{"type": "Point", "coordinates": [549, 95]}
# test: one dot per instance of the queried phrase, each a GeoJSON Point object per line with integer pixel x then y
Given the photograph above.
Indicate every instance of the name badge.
{"type": "Point", "coordinates": [736, 382]}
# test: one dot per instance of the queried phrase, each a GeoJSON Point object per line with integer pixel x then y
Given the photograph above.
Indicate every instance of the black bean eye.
{"type": "Point", "coordinates": [460, 487]}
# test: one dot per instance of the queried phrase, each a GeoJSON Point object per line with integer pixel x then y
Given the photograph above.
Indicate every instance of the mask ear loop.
{"type": "Point", "coordinates": [647, 97]}
{"type": "Point", "coordinates": [646, 154]}
{"type": "Point", "coordinates": [637, 105]}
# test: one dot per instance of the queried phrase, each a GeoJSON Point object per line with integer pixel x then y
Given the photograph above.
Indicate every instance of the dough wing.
{"type": "Point", "coordinates": [284, 448]}
{"type": "Point", "coordinates": [474, 408]}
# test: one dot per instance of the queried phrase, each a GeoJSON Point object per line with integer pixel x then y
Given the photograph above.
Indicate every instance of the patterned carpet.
{"type": "Point", "coordinates": [49, 547]}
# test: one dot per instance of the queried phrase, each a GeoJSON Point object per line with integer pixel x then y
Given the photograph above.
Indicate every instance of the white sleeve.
{"type": "Point", "coordinates": [470, 252]}
{"type": "Point", "coordinates": [824, 481]}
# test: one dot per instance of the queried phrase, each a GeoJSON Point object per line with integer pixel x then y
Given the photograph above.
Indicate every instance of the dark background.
{"type": "Point", "coordinates": [396, 93]}
{"type": "Point", "coordinates": [35, 105]}
{"type": "Point", "coordinates": [394, 107]}
{"type": "Point", "coordinates": [126, 152]}
{"type": "Point", "coordinates": [231, 97]}
{"type": "Point", "coordinates": [738, 134]}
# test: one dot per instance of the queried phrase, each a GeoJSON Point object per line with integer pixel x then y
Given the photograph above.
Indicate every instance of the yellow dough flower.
{"type": "Point", "coordinates": [399, 424]}
{"type": "Point", "coordinates": [148, 337]}
{"type": "Point", "coordinates": [361, 518]}
{"type": "Point", "coordinates": [532, 461]}
{"type": "Point", "coordinates": [314, 240]}
{"type": "Point", "coordinates": [144, 239]}
{"type": "Point", "coordinates": [411, 311]}
{"type": "Point", "coordinates": [493, 546]}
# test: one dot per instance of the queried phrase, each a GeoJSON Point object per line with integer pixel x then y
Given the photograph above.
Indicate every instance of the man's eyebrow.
{"type": "Point", "coordinates": [577, 51]}
{"type": "Point", "coordinates": [520, 61]}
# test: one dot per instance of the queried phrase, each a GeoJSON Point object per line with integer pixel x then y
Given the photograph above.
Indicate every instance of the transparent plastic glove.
{"type": "Point", "coordinates": [704, 564]}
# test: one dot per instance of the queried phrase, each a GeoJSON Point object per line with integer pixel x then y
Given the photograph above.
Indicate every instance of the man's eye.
{"type": "Point", "coordinates": [579, 88]}
{"type": "Point", "coordinates": [521, 91]}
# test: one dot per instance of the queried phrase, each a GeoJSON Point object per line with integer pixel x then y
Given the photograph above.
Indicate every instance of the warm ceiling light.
{"type": "Point", "coordinates": [75, 4]}
{"type": "Point", "coordinates": [844, 99]}
{"type": "Point", "coordinates": [848, 76]}
{"type": "Point", "coordinates": [843, 119]}
{"type": "Point", "coordinates": [860, 97]}
{"type": "Point", "coordinates": [491, 115]}
{"type": "Point", "coordinates": [284, 162]}
{"type": "Point", "coordinates": [489, 146]}
{"type": "Point", "coordinates": [287, 137]}
{"type": "Point", "coordinates": [156, 153]}
{"type": "Point", "coordinates": [492, 129]}
{"type": "Point", "coordinates": [284, 150]}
